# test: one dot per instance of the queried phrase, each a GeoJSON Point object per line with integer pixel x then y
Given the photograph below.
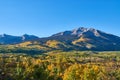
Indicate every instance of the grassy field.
{"type": "Point", "coordinates": [59, 65]}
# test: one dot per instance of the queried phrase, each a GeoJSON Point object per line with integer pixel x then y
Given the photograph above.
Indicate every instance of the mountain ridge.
{"type": "Point", "coordinates": [77, 39]}
{"type": "Point", "coordinates": [10, 39]}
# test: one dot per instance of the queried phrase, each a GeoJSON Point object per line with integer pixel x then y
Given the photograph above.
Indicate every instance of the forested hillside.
{"type": "Point", "coordinates": [58, 65]}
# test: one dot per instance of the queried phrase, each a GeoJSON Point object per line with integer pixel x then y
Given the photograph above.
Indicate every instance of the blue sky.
{"type": "Point", "coordinates": [46, 17]}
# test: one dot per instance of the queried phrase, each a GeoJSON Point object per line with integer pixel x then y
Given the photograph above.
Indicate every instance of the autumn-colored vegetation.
{"type": "Point", "coordinates": [58, 65]}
